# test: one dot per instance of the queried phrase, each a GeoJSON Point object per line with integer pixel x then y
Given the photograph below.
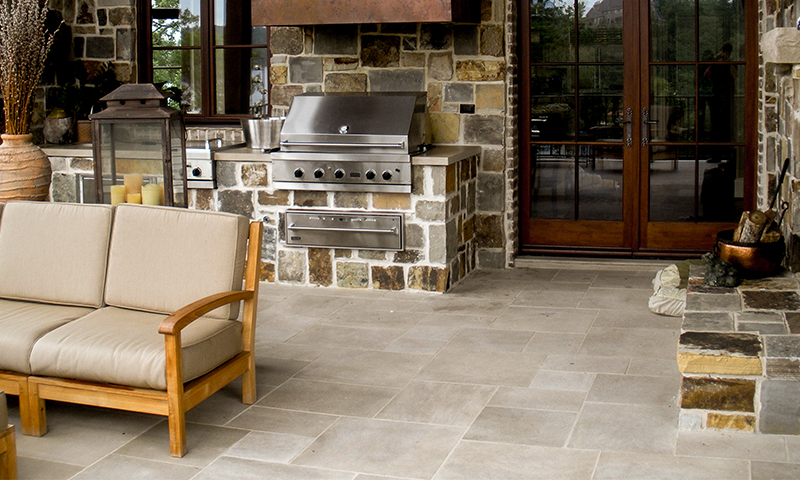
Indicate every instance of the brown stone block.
{"type": "Point", "coordinates": [204, 200]}
{"type": "Point", "coordinates": [310, 199]}
{"type": "Point", "coordinates": [391, 201]}
{"type": "Point", "coordinates": [372, 254]}
{"type": "Point", "coordinates": [451, 179]}
{"type": "Point", "coordinates": [282, 95]}
{"type": "Point", "coordinates": [255, 175]}
{"type": "Point", "coordinates": [428, 278]}
{"type": "Point", "coordinates": [85, 164]}
{"type": "Point", "coordinates": [278, 197]}
{"type": "Point", "coordinates": [278, 74]}
{"type": "Point", "coordinates": [721, 421]}
{"type": "Point", "coordinates": [320, 266]}
{"type": "Point", "coordinates": [768, 300]}
{"type": "Point", "coordinates": [489, 231]}
{"type": "Point", "coordinates": [492, 40]}
{"type": "Point", "coordinates": [343, 253]}
{"type": "Point", "coordinates": [783, 369]}
{"type": "Point", "coordinates": [444, 127]}
{"type": "Point", "coordinates": [267, 272]}
{"type": "Point", "coordinates": [351, 200]}
{"type": "Point", "coordinates": [380, 51]}
{"type": "Point", "coordinates": [345, 82]}
{"type": "Point", "coordinates": [417, 180]}
{"type": "Point", "coordinates": [742, 344]}
{"type": "Point", "coordinates": [286, 40]}
{"type": "Point", "coordinates": [407, 256]}
{"type": "Point", "coordinates": [469, 229]}
{"type": "Point", "coordinates": [480, 70]}
{"type": "Point", "coordinates": [338, 64]}
{"type": "Point", "coordinates": [435, 97]}
{"type": "Point", "coordinates": [388, 278]}
{"type": "Point", "coordinates": [718, 394]}
{"type": "Point", "coordinates": [490, 96]}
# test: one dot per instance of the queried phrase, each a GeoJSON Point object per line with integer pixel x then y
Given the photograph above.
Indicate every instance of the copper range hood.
{"type": "Point", "coordinates": [318, 12]}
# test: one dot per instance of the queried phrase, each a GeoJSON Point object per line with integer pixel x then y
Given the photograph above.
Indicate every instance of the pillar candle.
{"type": "Point", "coordinates": [133, 183]}
{"type": "Point", "coordinates": [134, 198]}
{"type": "Point", "coordinates": [151, 194]}
{"type": "Point", "coordinates": [118, 194]}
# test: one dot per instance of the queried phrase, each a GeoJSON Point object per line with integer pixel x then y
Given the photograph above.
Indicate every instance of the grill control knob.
{"type": "Point", "coordinates": [298, 173]}
{"type": "Point", "coordinates": [370, 174]}
{"type": "Point", "coordinates": [339, 173]}
{"type": "Point", "coordinates": [387, 175]}
{"type": "Point", "coordinates": [319, 173]}
{"type": "Point", "coordinates": [196, 171]}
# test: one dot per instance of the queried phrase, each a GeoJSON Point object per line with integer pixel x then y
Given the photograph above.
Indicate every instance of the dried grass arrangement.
{"type": "Point", "coordinates": [24, 45]}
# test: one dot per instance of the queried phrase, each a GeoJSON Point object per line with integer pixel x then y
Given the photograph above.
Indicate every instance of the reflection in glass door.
{"type": "Point", "coordinates": [636, 114]}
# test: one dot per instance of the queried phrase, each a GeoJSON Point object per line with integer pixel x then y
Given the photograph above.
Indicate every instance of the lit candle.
{"type": "Point", "coordinates": [134, 198]}
{"type": "Point", "coordinates": [118, 194]}
{"type": "Point", "coordinates": [133, 183]}
{"type": "Point", "coordinates": [151, 194]}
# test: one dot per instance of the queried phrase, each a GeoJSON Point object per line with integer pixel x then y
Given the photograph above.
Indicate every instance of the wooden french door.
{"type": "Point", "coordinates": [637, 123]}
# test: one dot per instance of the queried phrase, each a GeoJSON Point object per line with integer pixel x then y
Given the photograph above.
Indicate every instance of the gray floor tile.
{"type": "Point", "coordinates": [438, 403]}
{"type": "Point", "coordinates": [653, 366]}
{"type": "Point", "coordinates": [635, 389]}
{"type": "Point", "coordinates": [635, 319]}
{"type": "Point", "coordinates": [586, 363]}
{"type": "Point", "coordinates": [372, 315]}
{"type": "Point", "coordinates": [617, 299]}
{"type": "Point", "coordinates": [362, 367]}
{"type": "Point", "coordinates": [347, 337]}
{"type": "Point", "coordinates": [275, 371]}
{"type": "Point", "coordinates": [623, 279]}
{"type": "Point", "coordinates": [112, 466]}
{"type": "Point", "coordinates": [546, 319]}
{"type": "Point", "coordinates": [482, 367]}
{"type": "Point", "coordinates": [478, 460]}
{"type": "Point", "coordinates": [37, 469]}
{"type": "Point", "coordinates": [283, 421]}
{"type": "Point", "coordinates": [287, 351]}
{"type": "Point", "coordinates": [555, 343]}
{"type": "Point", "coordinates": [382, 447]}
{"type": "Point", "coordinates": [630, 342]}
{"type": "Point", "coordinates": [547, 298]}
{"type": "Point", "coordinates": [438, 326]}
{"type": "Point", "coordinates": [231, 468]}
{"type": "Point", "coordinates": [306, 305]}
{"type": "Point", "coordinates": [269, 447]}
{"type": "Point", "coordinates": [556, 380]}
{"type": "Point", "coordinates": [624, 466]}
{"type": "Point", "coordinates": [220, 408]}
{"type": "Point", "coordinates": [538, 399]}
{"type": "Point", "coordinates": [774, 471]}
{"type": "Point", "coordinates": [330, 398]}
{"type": "Point", "coordinates": [486, 339]}
{"type": "Point", "coordinates": [419, 346]}
{"type": "Point", "coordinates": [462, 305]}
{"type": "Point", "coordinates": [721, 444]}
{"type": "Point", "coordinates": [523, 427]}
{"type": "Point", "coordinates": [575, 275]}
{"type": "Point", "coordinates": [626, 428]}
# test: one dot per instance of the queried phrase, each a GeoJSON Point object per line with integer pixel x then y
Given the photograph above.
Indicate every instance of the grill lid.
{"type": "Point", "coordinates": [356, 122]}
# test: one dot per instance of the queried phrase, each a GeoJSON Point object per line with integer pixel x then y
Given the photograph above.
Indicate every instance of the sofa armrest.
{"type": "Point", "coordinates": [184, 316]}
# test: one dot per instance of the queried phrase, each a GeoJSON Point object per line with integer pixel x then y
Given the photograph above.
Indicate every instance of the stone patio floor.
{"type": "Point", "coordinates": [556, 370]}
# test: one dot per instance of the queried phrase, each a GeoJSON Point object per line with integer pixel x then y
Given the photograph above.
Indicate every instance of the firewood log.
{"type": "Point", "coordinates": [753, 227]}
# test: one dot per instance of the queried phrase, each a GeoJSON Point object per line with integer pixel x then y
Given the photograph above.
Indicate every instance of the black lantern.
{"type": "Point", "coordinates": [139, 148]}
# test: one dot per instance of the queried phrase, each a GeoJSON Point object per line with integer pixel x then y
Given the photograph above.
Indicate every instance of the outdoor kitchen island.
{"type": "Point", "coordinates": [441, 223]}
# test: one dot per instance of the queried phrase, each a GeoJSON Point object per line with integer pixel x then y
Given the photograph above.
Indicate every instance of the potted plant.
{"type": "Point", "coordinates": [24, 43]}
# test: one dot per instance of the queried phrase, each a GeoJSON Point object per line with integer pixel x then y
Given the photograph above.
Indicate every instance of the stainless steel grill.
{"type": "Point", "coordinates": [350, 142]}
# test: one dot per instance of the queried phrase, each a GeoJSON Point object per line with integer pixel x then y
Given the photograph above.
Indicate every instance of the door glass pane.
{"type": "Point", "coordinates": [553, 181]}
{"type": "Point", "coordinates": [178, 72]}
{"type": "Point", "coordinates": [552, 103]}
{"type": "Point", "coordinates": [552, 31]}
{"type": "Point", "coordinates": [600, 34]}
{"type": "Point", "coordinates": [600, 103]}
{"type": "Point", "coordinates": [672, 184]}
{"type": "Point", "coordinates": [672, 31]}
{"type": "Point", "coordinates": [721, 22]}
{"type": "Point", "coordinates": [722, 103]}
{"type": "Point", "coordinates": [600, 183]}
{"type": "Point", "coordinates": [176, 23]}
{"type": "Point", "coordinates": [672, 100]}
{"type": "Point", "coordinates": [240, 82]}
{"type": "Point", "coordinates": [721, 183]}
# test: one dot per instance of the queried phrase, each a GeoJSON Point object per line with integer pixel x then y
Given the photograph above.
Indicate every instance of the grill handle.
{"type": "Point", "coordinates": [348, 145]}
{"type": "Point", "coordinates": [339, 229]}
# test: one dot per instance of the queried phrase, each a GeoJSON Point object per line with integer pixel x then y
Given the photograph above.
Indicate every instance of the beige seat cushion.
{"type": "Point", "coordinates": [119, 346]}
{"type": "Point", "coordinates": [22, 323]}
{"type": "Point", "coordinates": [164, 258]}
{"type": "Point", "coordinates": [54, 252]}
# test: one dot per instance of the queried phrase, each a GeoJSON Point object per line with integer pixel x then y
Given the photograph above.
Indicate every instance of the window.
{"type": "Point", "coordinates": [207, 56]}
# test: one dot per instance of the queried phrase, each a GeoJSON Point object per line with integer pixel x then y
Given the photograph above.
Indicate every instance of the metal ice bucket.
{"type": "Point", "coordinates": [262, 133]}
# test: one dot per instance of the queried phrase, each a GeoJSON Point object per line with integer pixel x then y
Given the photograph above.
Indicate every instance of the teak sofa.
{"type": "Point", "coordinates": [8, 449]}
{"type": "Point", "coordinates": [130, 307]}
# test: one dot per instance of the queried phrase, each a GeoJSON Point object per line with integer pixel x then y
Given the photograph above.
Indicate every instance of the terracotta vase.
{"type": "Point", "coordinates": [24, 169]}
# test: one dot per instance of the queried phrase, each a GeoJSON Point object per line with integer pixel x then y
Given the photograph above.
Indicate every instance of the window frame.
{"type": "Point", "coordinates": [208, 71]}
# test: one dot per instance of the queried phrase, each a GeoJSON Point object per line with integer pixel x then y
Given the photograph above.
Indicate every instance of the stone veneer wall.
{"type": "Point", "coordinates": [467, 71]}
{"type": "Point", "coordinates": [778, 123]}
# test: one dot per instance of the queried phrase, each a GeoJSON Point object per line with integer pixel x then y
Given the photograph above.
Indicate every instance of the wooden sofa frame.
{"type": "Point", "coordinates": [8, 453]}
{"type": "Point", "coordinates": [179, 397]}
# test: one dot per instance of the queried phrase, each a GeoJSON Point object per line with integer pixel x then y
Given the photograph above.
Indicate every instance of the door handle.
{"type": "Point", "coordinates": [628, 127]}
{"type": "Point", "coordinates": [646, 122]}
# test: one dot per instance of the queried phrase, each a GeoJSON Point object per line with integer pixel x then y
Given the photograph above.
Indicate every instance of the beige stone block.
{"type": "Point", "coordinates": [278, 197]}
{"type": "Point", "coordinates": [435, 97]}
{"type": "Point", "coordinates": [720, 421]}
{"type": "Point", "coordinates": [718, 364]}
{"type": "Point", "coordinates": [781, 45]}
{"type": "Point", "coordinates": [255, 175]}
{"type": "Point", "coordinates": [490, 96]}
{"type": "Point", "coordinates": [445, 127]}
{"type": "Point", "coordinates": [339, 64]}
{"type": "Point", "coordinates": [480, 70]}
{"type": "Point", "coordinates": [391, 201]}
{"type": "Point", "coordinates": [278, 74]}
{"type": "Point", "coordinates": [412, 59]}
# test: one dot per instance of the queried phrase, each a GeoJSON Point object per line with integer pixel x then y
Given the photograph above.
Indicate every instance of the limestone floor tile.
{"type": "Point", "coordinates": [269, 447]}
{"type": "Point", "coordinates": [626, 428]}
{"type": "Point", "coordinates": [635, 389]}
{"type": "Point", "coordinates": [283, 421]}
{"type": "Point", "coordinates": [113, 466]}
{"type": "Point", "coordinates": [558, 320]}
{"type": "Point", "coordinates": [420, 346]}
{"type": "Point", "coordinates": [557, 380]}
{"type": "Point", "coordinates": [204, 444]}
{"type": "Point", "coordinates": [504, 289]}
{"type": "Point", "coordinates": [653, 366]}
{"type": "Point", "coordinates": [487, 339]}
{"type": "Point", "coordinates": [382, 447]}
{"type": "Point", "coordinates": [479, 460]}
{"type": "Point", "coordinates": [636, 319]}
{"type": "Point", "coordinates": [365, 315]}
{"type": "Point", "coordinates": [624, 279]}
{"type": "Point", "coordinates": [586, 363]}
{"type": "Point", "coordinates": [461, 305]}
{"type": "Point", "coordinates": [575, 275]}
{"type": "Point", "coordinates": [363, 367]}
{"type": "Point", "coordinates": [36, 469]}
{"type": "Point", "coordinates": [330, 398]}
{"type": "Point", "coordinates": [438, 403]}
{"type": "Point", "coordinates": [538, 399]}
{"type": "Point", "coordinates": [793, 447]}
{"type": "Point", "coordinates": [483, 367]}
{"type": "Point", "coordinates": [305, 305]}
{"type": "Point", "coordinates": [522, 426]}
{"type": "Point", "coordinates": [555, 343]}
{"type": "Point", "coordinates": [722, 444]}
{"type": "Point", "coordinates": [439, 326]}
{"type": "Point", "coordinates": [274, 371]}
{"type": "Point", "coordinates": [621, 466]}
{"type": "Point", "coordinates": [80, 435]}
{"type": "Point", "coordinates": [630, 342]}
{"type": "Point", "coordinates": [347, 337]}
{"type": "Point", "coordinates": [548, 298]}
{"type": "Point", "coordinates": [287, 351]}
{"type": "Point", "coordinates": [617, 299]}
{"type": "Point", "coordinates": [220, 408]}
{"type": "Point", "coordinates": [774, 471]}
{"type": "Point", "coordinates": [231, 468]}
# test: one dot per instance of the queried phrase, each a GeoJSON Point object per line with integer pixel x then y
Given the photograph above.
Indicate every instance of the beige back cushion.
{"type": "Point", "coordinates": [54, 252]}
{"type": "Point", "coordinates": [163, 258]}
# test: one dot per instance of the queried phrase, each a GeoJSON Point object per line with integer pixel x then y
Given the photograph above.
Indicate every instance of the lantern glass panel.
{"type": "Point", "coordinates": [178, 170]}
